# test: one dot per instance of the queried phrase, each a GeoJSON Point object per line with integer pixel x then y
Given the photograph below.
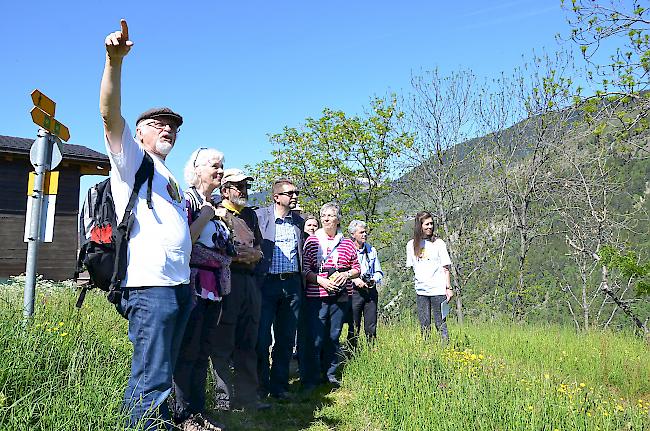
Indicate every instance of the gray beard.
{"type": "Point", "coordinates": [240, 201]}
{"type": "Point", "coordinates": [163, 147]}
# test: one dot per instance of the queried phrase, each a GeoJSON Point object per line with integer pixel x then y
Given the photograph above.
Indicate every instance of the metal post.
{"type": "Point", "coordinates": [44, 144]}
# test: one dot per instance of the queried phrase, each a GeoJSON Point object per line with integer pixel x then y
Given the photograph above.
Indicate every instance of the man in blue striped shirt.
{"type": "Point", "coordinates": [280, 272]}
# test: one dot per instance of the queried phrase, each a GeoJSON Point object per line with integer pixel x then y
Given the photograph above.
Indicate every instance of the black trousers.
{"type": "Point", "coordinates": [364, 305]}
{"type": "Point", "coordinates": [191, 371]}
{"type": "Point", "coordinates": [428, 305]}
{"type": "Point", "coordinates": [236, 337]}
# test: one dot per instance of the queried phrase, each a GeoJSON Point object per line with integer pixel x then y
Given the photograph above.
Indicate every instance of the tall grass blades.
{"type": "Point", "coordinates": [500, 377]}
{"type": "Point", "coordinates": [67, 369]}
{"type": "Point", "coordinates": [64, 370]}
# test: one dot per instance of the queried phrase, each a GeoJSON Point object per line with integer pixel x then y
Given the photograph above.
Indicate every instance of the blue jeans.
{"type": "Point", "coordinates": [157, 318]}
{"type": "Point", "coordinates": [325, 318]}
{"type": "Point", "coordinates": [280, 307]}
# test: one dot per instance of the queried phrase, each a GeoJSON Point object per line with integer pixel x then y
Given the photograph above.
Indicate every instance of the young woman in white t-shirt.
{"type": "Point", "coordinates": [428, 257]}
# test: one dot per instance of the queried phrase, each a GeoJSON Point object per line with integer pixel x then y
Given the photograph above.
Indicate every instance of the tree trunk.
{"type": "Point", "coordinates": [623, 306]}
{"type": "Point", "coordinates": [585, 302]}
{"type": "Point", "coordinates": [454, 269]}
{"type": "Point", "coordinates": [518, 301]}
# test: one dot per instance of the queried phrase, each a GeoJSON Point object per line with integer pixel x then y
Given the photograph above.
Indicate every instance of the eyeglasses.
{"type": "Point", "coordinates": [197, 155]}
{"type": "Point", "coordinates": [289, 193]}
{"type": "Point", "coordinates": [159, 125]}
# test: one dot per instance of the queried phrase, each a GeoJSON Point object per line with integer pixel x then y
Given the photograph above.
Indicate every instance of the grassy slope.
{"type": "Point", "coordinates": [493, 376]}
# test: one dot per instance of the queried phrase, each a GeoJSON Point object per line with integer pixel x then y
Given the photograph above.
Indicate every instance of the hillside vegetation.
{"type": "Point", "coordinates": [537, 179]}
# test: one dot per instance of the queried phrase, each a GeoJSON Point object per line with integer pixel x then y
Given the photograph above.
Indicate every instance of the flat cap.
{"type": "Point", "coordinates": [163, 112]}
{"type": "Point", "coordinates": [234, 175]}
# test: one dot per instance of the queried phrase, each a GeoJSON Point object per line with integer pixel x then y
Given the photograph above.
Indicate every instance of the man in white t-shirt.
{"type": "Point", "coordinates": [428, 257]}
{"type": "Point", "coordinates": [156, 297]}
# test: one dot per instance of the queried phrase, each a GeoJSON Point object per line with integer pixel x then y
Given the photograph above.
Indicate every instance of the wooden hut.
{"type": "Point", "coordinates": [57, 259]}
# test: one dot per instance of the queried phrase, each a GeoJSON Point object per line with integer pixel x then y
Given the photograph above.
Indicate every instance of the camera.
{"type": "Point", "coordinates": [330, 272]}
{"type": "Point", "coordinates": [367, 278]}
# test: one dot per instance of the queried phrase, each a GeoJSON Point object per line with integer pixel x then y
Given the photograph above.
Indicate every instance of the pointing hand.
{"type": "Point", "coordinates": [118, 44]}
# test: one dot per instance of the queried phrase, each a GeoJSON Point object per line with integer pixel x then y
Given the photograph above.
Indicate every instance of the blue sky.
{"type": "Point", "coordinates": [238, 71]}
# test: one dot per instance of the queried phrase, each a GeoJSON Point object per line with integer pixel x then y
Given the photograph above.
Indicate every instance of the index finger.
{"type": "Point", "coordinates": [125, 30]}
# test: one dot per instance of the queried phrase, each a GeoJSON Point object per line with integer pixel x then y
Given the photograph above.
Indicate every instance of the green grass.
{"type": "Point", "coordinates": [499, 376]}
{"type": "Point", "coordinates": [67, 369]}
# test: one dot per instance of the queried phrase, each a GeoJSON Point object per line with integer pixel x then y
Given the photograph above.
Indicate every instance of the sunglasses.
{"type": "Point", "coordinates": [197, 155]}
{"type": "Point", "coordinates": [289, 193]}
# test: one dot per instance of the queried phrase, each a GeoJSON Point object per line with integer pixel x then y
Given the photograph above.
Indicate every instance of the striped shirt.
{"type": "Point", "coordinates": [344, 256]}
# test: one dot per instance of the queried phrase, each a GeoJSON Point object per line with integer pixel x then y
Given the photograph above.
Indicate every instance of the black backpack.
{"type": "Point", "coordinates": [102, 242]}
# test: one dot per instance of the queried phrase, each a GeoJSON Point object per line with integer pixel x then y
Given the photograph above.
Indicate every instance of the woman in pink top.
{"type": "Point", "coordinates": [329, 263]}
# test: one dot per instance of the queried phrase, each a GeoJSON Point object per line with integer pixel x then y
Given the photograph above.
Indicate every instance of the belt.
{"type": "Point", "coordinates": [238, 270]}
{"type": "Point", "coordinates": [282, 275]}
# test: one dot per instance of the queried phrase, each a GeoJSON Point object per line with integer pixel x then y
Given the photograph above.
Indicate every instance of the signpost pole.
{"type": "Point", "coordinates": [44, 145]}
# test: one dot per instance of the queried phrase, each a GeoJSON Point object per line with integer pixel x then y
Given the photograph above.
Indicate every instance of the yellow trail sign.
{"type": "Point", "coordinates": [50, 185]}
{"type": "Point", "coordinates": [45, 103]}
{"type": "Point", "coordinates": [41, 118]}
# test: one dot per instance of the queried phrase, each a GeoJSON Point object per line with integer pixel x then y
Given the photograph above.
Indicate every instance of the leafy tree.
{"type": "Point", "coordinates": [614, 38]}
{"type": "Point", "coordinates": [347, 159]}
{"type": "Point", "coordinates": [628, 266]}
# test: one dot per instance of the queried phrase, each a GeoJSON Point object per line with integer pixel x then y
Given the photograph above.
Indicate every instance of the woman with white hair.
{"type": "Point", "coordinates": [329, 263]}
{"type": "Point", "coordinates": [210, 277]}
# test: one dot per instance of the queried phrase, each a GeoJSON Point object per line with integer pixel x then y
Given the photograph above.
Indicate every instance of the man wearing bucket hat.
{"type": "Point", "coordinates": [237, 330]}
{"type": "Point", "coordinates": [156, 297]}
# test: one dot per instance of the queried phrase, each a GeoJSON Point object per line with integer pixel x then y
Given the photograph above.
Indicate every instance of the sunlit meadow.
{"type": "Point", "coordinates": [66, 370]}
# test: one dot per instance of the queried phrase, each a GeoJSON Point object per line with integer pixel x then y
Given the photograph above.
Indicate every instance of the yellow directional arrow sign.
{"type": "Point", "coordinates": [43, 102]}
{"type": "Point", "coordinates": [41, 118]}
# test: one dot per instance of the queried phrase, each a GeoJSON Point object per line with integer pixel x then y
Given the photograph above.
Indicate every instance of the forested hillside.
{"type": "Point", "coordinates": [538, 179]}
{"type": "Point", "coordinates": [561, 284]}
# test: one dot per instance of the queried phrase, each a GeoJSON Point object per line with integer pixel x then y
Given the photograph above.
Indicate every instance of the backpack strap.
{"type": "Point", "coordinates": [149, 182]}
{"type": "Point", "coordinates": [145, 173]}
